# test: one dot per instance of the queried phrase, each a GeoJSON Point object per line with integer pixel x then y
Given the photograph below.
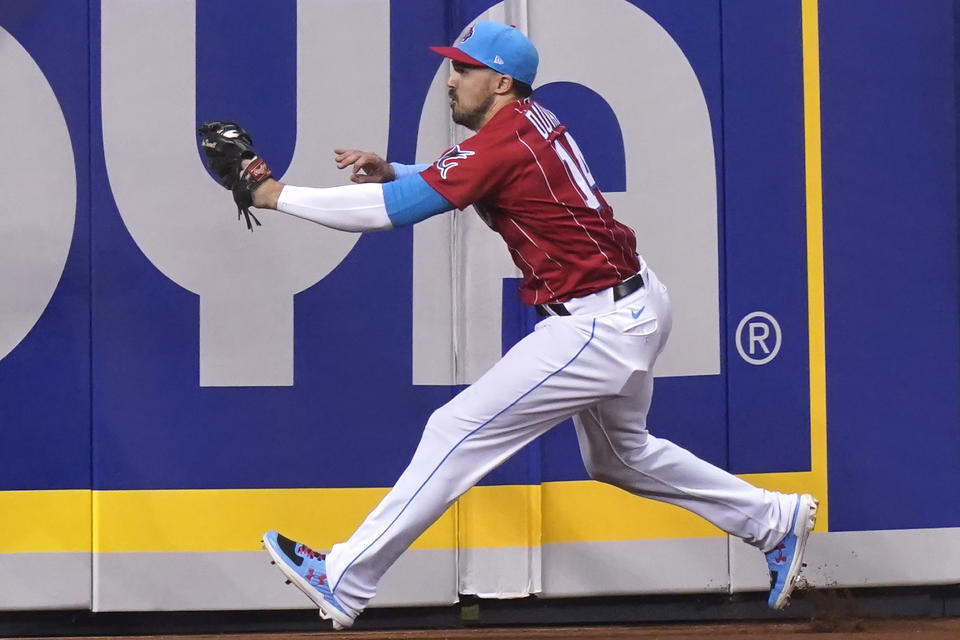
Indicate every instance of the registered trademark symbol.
{"type": "Point", "coordinates": [755, 334]}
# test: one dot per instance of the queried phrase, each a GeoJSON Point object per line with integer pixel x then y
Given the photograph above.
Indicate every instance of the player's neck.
{"type": "Point", "coordinates": [499, 102]}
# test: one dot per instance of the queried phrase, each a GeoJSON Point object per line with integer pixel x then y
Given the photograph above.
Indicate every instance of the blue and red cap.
{"type": "Point", "coordinates": [501, 47]}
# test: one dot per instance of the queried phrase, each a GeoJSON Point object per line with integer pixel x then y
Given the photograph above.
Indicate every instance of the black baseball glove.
{"type": "Point", "coordinates": [227, 145]}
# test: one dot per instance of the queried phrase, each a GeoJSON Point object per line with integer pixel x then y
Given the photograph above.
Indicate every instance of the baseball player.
{"type": "Point", "coordinates": [606, 319]}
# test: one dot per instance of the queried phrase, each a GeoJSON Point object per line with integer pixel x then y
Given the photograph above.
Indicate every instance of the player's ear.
{"type": "Point", "coordinates": [504, 85]}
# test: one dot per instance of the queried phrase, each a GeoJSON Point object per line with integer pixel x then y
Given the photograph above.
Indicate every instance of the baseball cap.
{"type": "Point", "coordinates": [501, 47]}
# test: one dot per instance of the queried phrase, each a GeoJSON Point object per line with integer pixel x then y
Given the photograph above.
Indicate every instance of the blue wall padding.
{"type": "Point", "coordinates": [45, 380]}
{"type": "Point", "coordinates": [104, 390]}
{"type": "Point", "coordinates": [891, 239]}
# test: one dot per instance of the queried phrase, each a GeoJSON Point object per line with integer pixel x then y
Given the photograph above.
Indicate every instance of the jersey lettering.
{"type": "Point", "coordinates": [537, 124]}
{"type": "Point", "coordinates": [548, 126]}
{"type": "Point", "coordinates": [542, 119]}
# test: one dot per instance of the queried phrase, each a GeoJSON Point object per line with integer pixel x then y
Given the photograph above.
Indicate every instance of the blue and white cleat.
{"type": "Point", "coordinates": [786, 559]}
{"type": "Point", "coordinates": [307, 569]}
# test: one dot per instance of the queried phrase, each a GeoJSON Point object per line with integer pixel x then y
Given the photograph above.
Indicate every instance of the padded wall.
{"type": "Point", "coordinates": [171, 385]}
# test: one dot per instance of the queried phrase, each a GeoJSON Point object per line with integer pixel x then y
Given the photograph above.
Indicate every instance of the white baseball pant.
{"type": "Point", "coordinates": [595, 365]}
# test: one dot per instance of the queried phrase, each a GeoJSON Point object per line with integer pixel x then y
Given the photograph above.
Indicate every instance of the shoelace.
{"type": "Point", "coordinates": [310, 553]}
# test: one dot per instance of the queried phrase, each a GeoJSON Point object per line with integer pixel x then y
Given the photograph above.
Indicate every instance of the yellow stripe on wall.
{"type": "Point", "coordinates": [591, 511]}
{"type": "Point", "coordinates": [501, 516]}
{"type": "Point", "coordinates": [44, 521]}
{"type": "Point", "coordinates": [486, 517]}
{"type": "Point", "coordinates": [815, 287]}
{"type": "Point", "coordinates": [235, 519]}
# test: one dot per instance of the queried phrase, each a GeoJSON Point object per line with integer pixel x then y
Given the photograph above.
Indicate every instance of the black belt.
{"type": "Point", "coordinates": [621, 290]}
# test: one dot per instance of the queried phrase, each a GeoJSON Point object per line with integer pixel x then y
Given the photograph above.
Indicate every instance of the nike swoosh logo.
{"type": "Point", "coordinates": [636, 314]}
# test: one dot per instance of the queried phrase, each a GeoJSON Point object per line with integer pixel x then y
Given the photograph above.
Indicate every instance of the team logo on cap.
{"type": "Point", "coordinates": [449, 160]}
{"type": "Point", "coordinates": [468, 35]}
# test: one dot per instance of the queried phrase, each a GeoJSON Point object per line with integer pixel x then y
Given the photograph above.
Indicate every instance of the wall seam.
{"type": "Point", "coordinates": [721, 239]}
{"type": "Point", "coordinates": [89, 179]}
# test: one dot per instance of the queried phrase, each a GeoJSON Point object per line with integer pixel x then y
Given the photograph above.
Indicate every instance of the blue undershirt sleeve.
{"type": "Point", "coordinates": [410, 200]}
{"type": "Point", "coordinates": [404, 170]}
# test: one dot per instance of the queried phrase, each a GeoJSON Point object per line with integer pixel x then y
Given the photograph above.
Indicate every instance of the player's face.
{"type": "Point", "coordinates": [472, 92]}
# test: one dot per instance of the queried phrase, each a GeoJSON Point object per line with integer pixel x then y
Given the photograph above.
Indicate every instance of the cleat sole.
{"type": "Point", "coordinates": [327, 611]}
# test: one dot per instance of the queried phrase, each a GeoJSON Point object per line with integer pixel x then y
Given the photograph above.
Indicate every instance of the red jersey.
{"type": "Point", "coordinates": [528, 180]}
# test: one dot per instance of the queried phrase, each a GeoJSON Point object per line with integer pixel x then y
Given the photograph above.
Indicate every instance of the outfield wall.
{"type": "Point", "coordinates": [172, 385]}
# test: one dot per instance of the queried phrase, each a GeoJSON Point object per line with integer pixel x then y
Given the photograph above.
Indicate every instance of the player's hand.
{"type": "Point", "coordinates": [367, 166]}
{"type": "Point", "coordinates": [231, 156]}
{"type": "Point", "coordinates": [267, 194]}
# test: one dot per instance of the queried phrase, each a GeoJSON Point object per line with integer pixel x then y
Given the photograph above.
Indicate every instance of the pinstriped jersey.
{"type": "Point", "coordinates": [528, 180]}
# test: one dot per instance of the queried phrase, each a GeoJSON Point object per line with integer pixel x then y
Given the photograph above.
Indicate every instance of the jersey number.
{"type": "Point", "coordinates": [578, 169]}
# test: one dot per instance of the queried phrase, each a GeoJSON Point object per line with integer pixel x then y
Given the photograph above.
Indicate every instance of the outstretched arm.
{"type": "Point", "coordinates": [361, 207]}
